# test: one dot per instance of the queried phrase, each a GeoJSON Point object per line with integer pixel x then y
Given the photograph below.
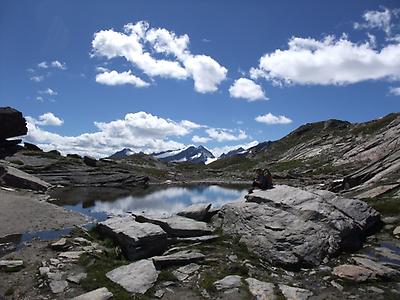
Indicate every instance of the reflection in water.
{"type": "Point", "coordinates": [154, 201]}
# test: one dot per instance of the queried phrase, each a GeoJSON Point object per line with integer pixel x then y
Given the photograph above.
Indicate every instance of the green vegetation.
{"type": "Point", "coordinates": [286, 165]}
{"type": "Point", "coordinates": [388, 203]}
{"type": "Point", "coordinates": [9, 291]}
{"type": "Point", "coordinates": [374, 126]}
{"type": "Point", "coordinates": [239, 163]}
{"type": "Point", "coordinates": [17, 162]}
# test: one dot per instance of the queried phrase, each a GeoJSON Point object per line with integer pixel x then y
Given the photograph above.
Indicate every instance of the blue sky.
{"type": "Point", "coordinates": [217, 73]}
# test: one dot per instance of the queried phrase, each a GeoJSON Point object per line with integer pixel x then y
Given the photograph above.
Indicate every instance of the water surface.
{"type": "Point", "coordinates": [154, 201]}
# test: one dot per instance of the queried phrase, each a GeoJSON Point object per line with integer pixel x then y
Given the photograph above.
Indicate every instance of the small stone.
{"type": "Point", "coordinates": [54, 261]}
{"type": "Point", "coordinates": [76, 278]}
{"type": "Point", "coordinates": [396, 231]}
{"type": "Point", "coordinates": [43, 271]}
{"type": "Point", "coordinates": [232, 258]}
{"type": "Point", "coordinates": [99, 294]}
{"type": "Point", "coordinates": [82, 241]}
{"type": "Point", "coordinates": [261, 290]}
{"type": "Point", "coordinates": [184, 272]}
{"type": "Point", "coordinates": [375, 290]}
{"type": "Point", "coordinates": [337, 285]}
{"type": "Point", "coordinates": [11, 265]}
{"type": "Point", "coordinates": [60, 245]}
{"type": "Point", "coordinates": [228, 282]}
{"type": "Point", "coordinates": [353, 272]}
{"type": "Point", "coordinates": [58, 286]}
{"type": "Point", "coordinates": [294, 293]}
{"type": "Point", "coordinates": [390, 220]}
{"type": "Point", "coordinates": [159, 293]}
{"type": "Point", "coordinates": [71, 255]}
{"type": "Point", "coordinates": [54, 275]}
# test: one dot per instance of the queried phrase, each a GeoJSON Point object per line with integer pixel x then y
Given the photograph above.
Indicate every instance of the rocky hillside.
{"type": "Point", "coordinates": [343, 156]}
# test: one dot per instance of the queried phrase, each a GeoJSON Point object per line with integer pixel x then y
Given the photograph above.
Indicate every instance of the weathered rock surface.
{"type": "Point", "coordinates": [184, 272]}
{"type": "Point", "coordinates": [137, 240]}
{"type": "Point", "coordinates": [15, 178]}
{"type": "Point", "coordinates": [396, 231]}
{"type": "Point", "coordinates": [59, 245]}
{"type": "Point", "coordinates": [99, 294]}
{"type": "Point", "coordinates": [178, 258]}
{"type": "Point", "coordinates": [77, 278]}
{"type": "Point", "coordinates": [378, 269]}
{"type": "Point", "coordinates": [196, 211]}
{"type": "Point", "coordinates": [293, 227]}
{"type": "Point", "coordinates": [177, 226]}
{"type": "Point", "coordinates": [261, 290]}
{"type": "Point", "coordinates": [353, 272]}
{"type": "Point", "coordinates": [12, 123]}
{"type": "Point", "coordinates": [294, 293]}
{"type": "Point", "coordinates": [228, 282]}
{"type": "Point", "coordinates": [136, 277]}
{"type": "Point", "coordinates": [58, 286]}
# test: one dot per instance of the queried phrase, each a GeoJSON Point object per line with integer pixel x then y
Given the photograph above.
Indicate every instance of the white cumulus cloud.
{"type": "Point", "coordinates": [217, 151]}
{"type": "Point", "coordinates": [47, 119]}
{"type": "Point", "coordinates": [138, 43]}
{"type": "Point", "coordinates": [329, 61]}
{"type": "Point", "coordinates": [200, 139]}
{"type": "Point", "coordinates": [271, 119]}
{"type": "Point", "coordinates": [222, 135]}
{"type": "Point", "coordinates": [395, 91]}
{"type": "Point", "coordinates": [139, 131]}
{"type": "Point", "coordinates": [375, 19]}
{"type": "Point", "coordinates": [58, 65]}
{"type": "Point", "coordinates": [37, 78]}
{"type": "Point", "coordinates": [247, 89]}
{"type": "Point", "coordinates": [115, 78]}
{"type": "Point", "coordinates": [49, 92]}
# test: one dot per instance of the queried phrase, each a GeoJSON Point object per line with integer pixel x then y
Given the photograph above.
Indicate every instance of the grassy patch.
{"type": "Point", "coordinates": [374, 126]}
{"type": "Point", "coordinates": [9, 291]}
{"type": "Point", "coordinates": [96, 268]}
{"type": "Point", "coordinates": [286, 165]}
{"type": "Point", "coordinates": [239, 163]}
{"type": "Point", "coordinates": [17, 162]}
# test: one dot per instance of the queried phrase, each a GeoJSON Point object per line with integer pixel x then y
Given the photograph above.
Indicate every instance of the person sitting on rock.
{"type": "Point", "coordinates": [262, 181]}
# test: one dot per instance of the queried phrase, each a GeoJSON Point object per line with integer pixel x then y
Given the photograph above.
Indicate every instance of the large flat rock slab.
{"type": "Point", "coordinates": [15, 178]}
{"type": "Point", "coordinates": [136, 277]}
{"type": "Point", "coordinates": [177, 226]}
{"type": "Point", "coordinates": [179, 258]}
{"type": "Point", "coordinates": [137, 240]}
{"type": "Point", "coordinates": [99, 294]}
{"type": "Point", "coordinates": [293, 227]}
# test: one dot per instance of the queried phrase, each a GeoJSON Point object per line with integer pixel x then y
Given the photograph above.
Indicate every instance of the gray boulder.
{"type": "Point", "coordinates": [228, 282]}
{"type": "Point", "coordinates": [177, 226]}
{"type": "Point", "coordinates": [196, 211]}
{"type": "Point", "coordinates": [137, 240]}
{"type": "Point", "coordinates": [292, 227]}
{"type": "Point", "coordinates": [136, 277]}
{"type": "Point", "coordinates": [353, 272]}
{"type": "Point", "coordinates": [13, 177]}
{"type": "Point", "coordinates": [294, 293]}
{"type": "Point", "coordinates": [261, 290]}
